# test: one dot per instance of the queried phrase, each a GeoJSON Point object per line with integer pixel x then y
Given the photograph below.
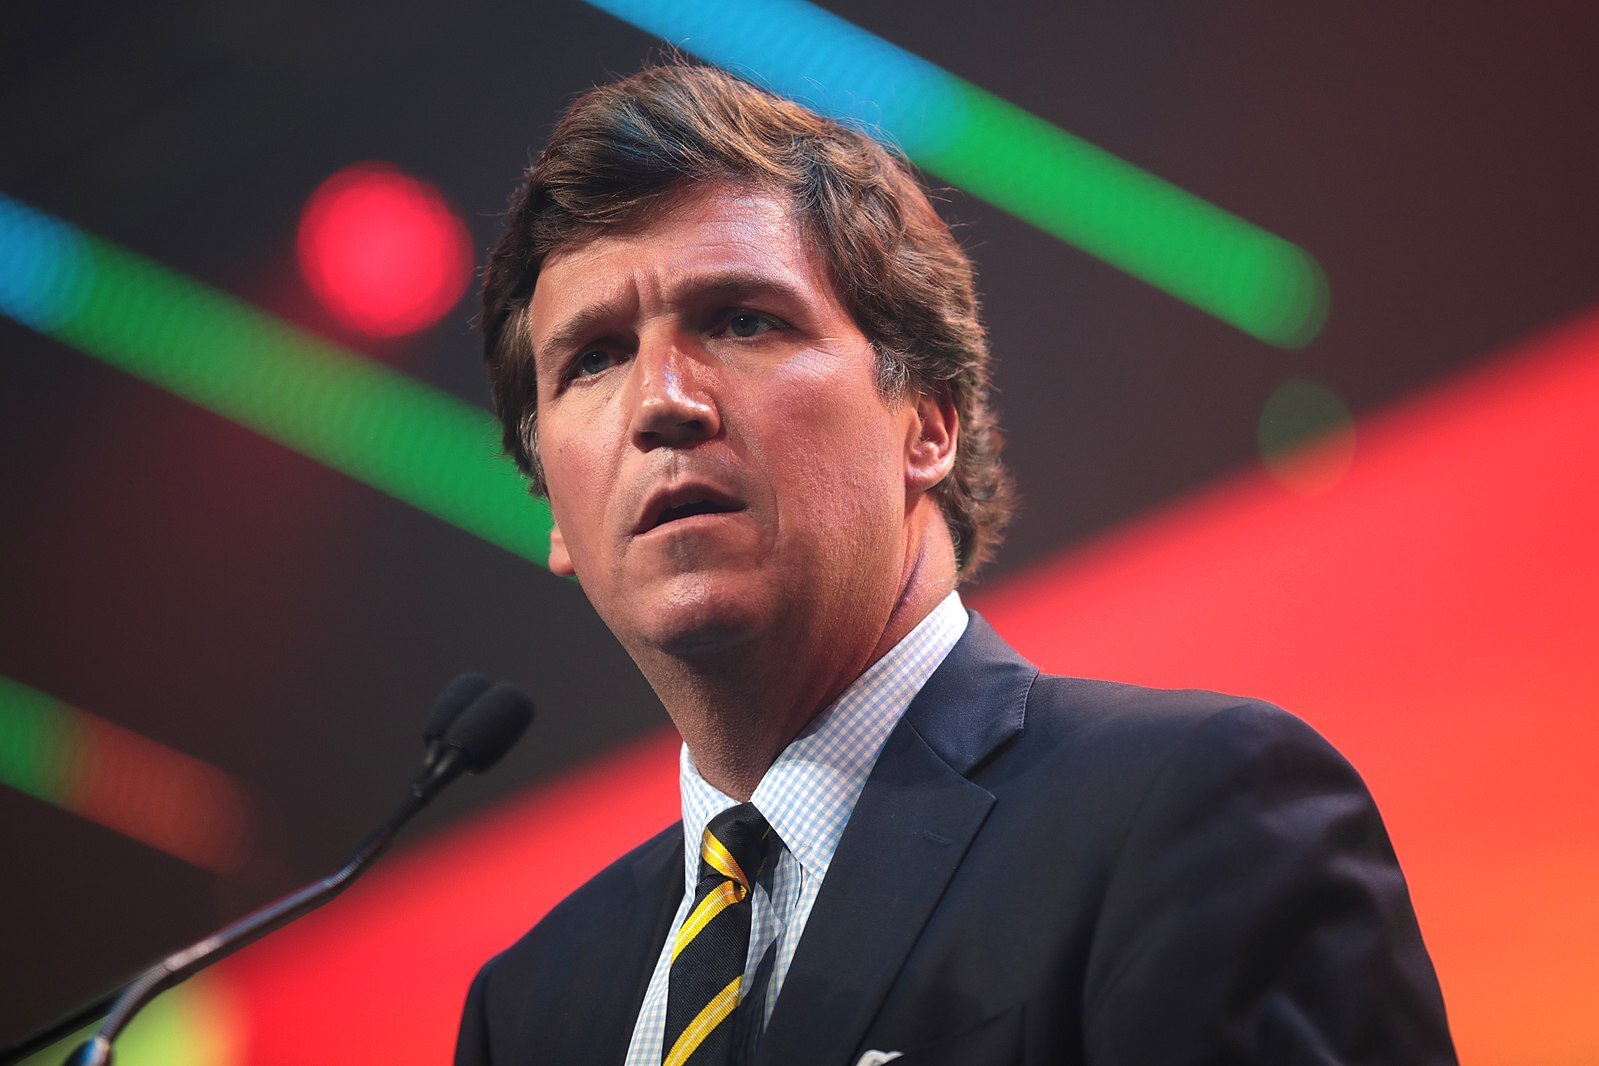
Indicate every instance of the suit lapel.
{"type": "Point", "coordinates": [658, 889]}
{"type": "Point", "coordinates": [912, 826]}
{"type": "Point", "coordinates": [660, 884]}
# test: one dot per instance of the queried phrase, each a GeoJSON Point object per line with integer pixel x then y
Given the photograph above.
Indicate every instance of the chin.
{"type": "Point", "coordinates": [699, 617]}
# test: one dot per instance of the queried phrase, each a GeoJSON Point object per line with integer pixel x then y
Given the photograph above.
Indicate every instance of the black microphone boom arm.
{"type": "Point", "coordinates": [468, 730]}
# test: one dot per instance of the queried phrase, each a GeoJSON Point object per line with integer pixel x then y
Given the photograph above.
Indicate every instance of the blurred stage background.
{"type": "Point", "coordinates": [1331, 441]}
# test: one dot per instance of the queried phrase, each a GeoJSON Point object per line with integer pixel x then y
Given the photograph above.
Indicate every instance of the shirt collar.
{"type": "Point", "coordinates": [807, 795]}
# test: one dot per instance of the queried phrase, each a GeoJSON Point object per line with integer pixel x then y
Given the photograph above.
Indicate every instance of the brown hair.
{"type": "Point", "coordinates": [621, 148]}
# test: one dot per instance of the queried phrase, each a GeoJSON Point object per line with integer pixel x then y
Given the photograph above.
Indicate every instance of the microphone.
{"type": "Point", "coordinates": [471, 725]}
{"type": "Point", "coordinates": [455, 698]}
{"type": "Point", "coordinates": [474, 741]}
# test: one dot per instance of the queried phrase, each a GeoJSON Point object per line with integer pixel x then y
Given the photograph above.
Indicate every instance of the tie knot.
{"type": "Point", "coordinates": [735, 845]}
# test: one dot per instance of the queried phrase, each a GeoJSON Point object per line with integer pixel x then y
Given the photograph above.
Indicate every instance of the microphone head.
{"type": "Point", "coordinates": [488, 727]}
{"type": "Point", "coordinates": [455, 698]}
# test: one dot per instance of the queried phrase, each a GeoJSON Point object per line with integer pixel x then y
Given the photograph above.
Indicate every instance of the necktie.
{"type": "Point", "coordinates": [707, 969]}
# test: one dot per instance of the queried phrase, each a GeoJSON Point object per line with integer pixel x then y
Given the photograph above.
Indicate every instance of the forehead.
{"type": "Point", "coordinates": [725, 234]}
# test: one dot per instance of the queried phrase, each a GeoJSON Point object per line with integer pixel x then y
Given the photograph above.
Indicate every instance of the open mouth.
{"type": "Point", "coordinates": [688, 510]}
{"type": "Point", "coordinates": [691, 504]}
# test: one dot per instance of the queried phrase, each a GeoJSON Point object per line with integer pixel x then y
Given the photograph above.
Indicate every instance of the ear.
{"type": "Point", "coordinates": [560, 560]}
{"type": "Point", "coordinates": [931, 441]}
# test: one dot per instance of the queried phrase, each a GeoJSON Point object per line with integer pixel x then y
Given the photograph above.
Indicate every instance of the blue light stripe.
{"type": "Point", "coordinates": [1067, 187]}
{"type": "Point", "coordinates": [371, 422]}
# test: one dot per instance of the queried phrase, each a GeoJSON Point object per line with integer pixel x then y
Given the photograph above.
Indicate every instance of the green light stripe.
{"type": "Point", "coordinates": [128, 783]}
{"type": "Point", "coordinates": [37, 741]}
{"type": "Point", "coordinates": [195, 1024]}
{"type": "Point", "coordinates": [1067, 187]}
{"type": "Point", "coordinates": [1148, 227]}
{"type": "Point", "coordinates": [375, 424]}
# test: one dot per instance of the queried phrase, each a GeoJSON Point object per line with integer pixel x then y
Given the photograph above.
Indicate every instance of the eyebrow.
{"type": "Point", "coordinates": [736, 284]}
{"type": "Point", "coordinates": [732, 285]}
{"type": "Point", "coordinates": [578, 325]}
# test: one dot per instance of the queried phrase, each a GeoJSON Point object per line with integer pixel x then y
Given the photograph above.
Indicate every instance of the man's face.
{"type": "Point", "coordinates": [719, 458]}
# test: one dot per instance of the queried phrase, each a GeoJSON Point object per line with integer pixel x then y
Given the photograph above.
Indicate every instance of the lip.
{"type": "Point", "coordinates": [694, 499]}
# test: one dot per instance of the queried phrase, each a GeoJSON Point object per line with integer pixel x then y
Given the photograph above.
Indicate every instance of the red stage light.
{"type": "Point", "coordinates": [382, 250]}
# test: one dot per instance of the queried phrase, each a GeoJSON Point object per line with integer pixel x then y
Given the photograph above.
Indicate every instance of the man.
{"type": "Point", "coordinates": [738, 350]}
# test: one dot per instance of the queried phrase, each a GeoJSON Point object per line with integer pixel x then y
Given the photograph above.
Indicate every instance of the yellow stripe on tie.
{"type": "Point", "coordinates": [715, 902]}
{"type": "Point", "coordinates": [721, 860]}
{"type": "Point", "coordinates": [704, 1023]}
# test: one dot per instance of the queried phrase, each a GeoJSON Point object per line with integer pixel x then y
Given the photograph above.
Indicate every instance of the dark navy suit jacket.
{"type": "Point", "coordinates": [1040, 870]}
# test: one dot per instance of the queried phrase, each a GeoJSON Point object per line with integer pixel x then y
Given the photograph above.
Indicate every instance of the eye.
{"type": "Point", "coordinates": [746, 324]}
{"type": "Point", "coordinates": [592, 362]}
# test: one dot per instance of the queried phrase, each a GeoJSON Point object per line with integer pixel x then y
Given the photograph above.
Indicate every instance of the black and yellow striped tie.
{"type": "Point", "coordinates": [707, 971]}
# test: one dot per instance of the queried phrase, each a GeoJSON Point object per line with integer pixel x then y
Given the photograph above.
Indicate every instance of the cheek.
{"type": "Point", "coordinates": [838, 455]}
{"type": "Point", "coordinates": [572, 476]}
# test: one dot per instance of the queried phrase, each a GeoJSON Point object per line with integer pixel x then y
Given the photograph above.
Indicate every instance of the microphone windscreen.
{"type": "Point", "coordinates": [455, 698]}
{"type": "Point", "coordinates": [487, 729]}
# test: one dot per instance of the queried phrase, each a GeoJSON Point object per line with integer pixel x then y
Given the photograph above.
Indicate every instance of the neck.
{"type": "Point", "coordinates": [738, 709]}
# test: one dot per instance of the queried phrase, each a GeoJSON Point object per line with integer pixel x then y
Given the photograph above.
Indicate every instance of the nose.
{"type": "Point", "coordinates": [675, 405]}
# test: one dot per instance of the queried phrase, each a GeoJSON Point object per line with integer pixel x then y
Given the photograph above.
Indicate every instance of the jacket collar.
{"type": "Point", "coordinates": [975, 700]}
{"type": "Point", "coordinates": [913, 824]}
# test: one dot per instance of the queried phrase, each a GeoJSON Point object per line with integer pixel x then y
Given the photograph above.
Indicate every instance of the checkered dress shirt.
{"type": "Point", "coordinates": [807, 796]}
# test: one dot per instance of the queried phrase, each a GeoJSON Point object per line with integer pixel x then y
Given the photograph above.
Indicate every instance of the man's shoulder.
{"type": "Point", "coordinates": [1105, 746]}
{"type": "Point", "coordinates": [985, 679]}
{"type": "Point", "coordinates": [641, 878]}
{"type": "Point", "coordinates": [991, 703]}
{"type": "Point", "coordinates": [1135, 724]}
{"type": "Point", "coordinates": [586, 959]}
{"type": "Point", "coordinates": [1115, 709]}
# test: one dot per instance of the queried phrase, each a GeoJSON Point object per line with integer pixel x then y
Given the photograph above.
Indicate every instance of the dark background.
{"type": "Point", "coordinates": [176, 574]}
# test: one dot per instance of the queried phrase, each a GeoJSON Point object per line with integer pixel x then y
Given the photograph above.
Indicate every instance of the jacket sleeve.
{"type": "Point", "coordinates": [1258, 914]}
